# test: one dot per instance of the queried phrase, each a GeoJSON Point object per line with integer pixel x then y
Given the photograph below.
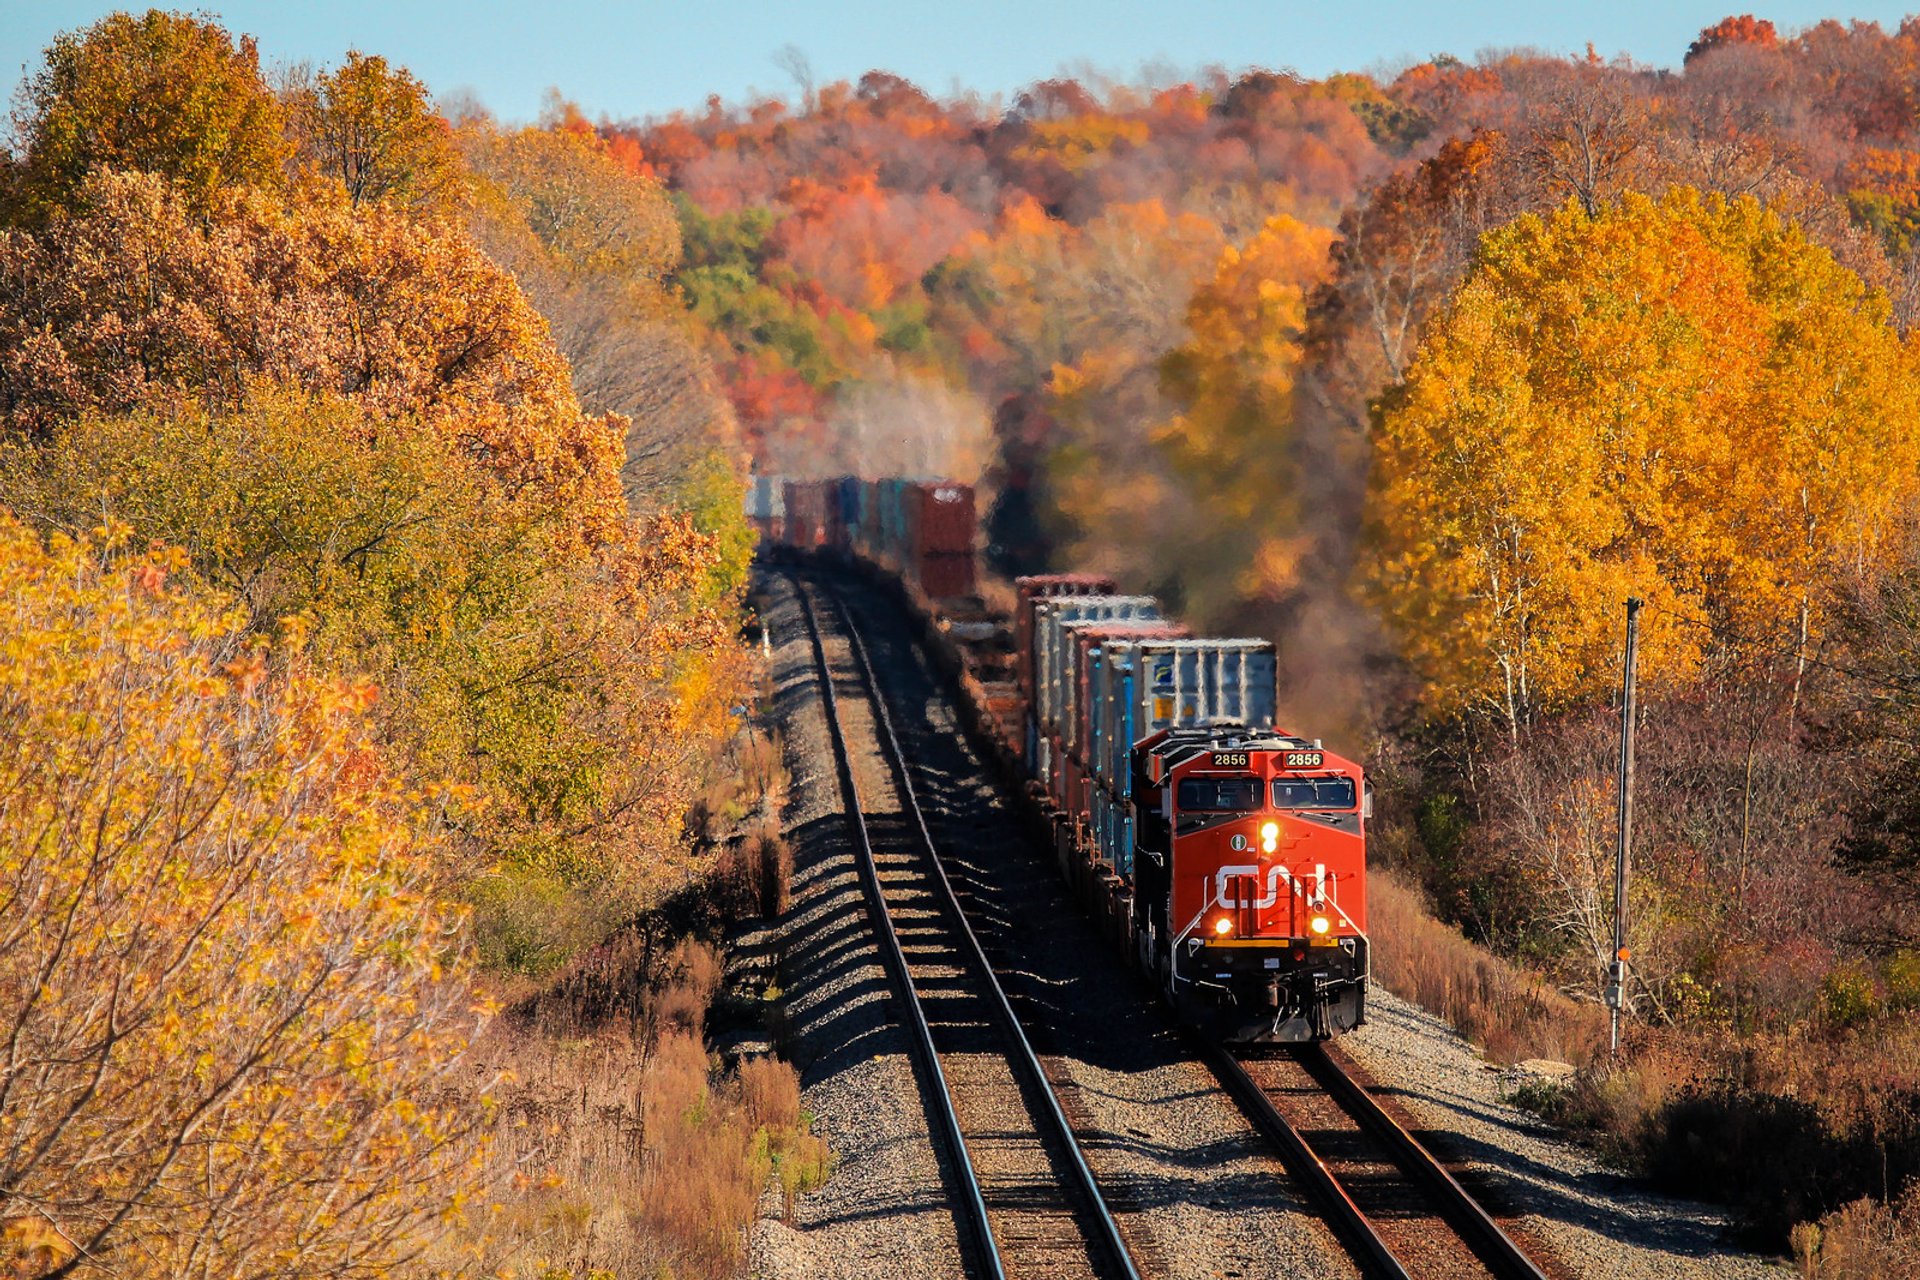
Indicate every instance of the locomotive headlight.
{"type": "Point", "coordinates": [1223, 926]}
{"type": "Point", "coordinates": [1320, 924]}
{"type": "Point", "coordinates": [1269, 836]}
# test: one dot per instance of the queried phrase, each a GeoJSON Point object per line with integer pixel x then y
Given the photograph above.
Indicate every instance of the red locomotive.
{"type": "Point", "coordinates": [1250, 881]}
{"type": "Point", "coordinates": [1226, 856]}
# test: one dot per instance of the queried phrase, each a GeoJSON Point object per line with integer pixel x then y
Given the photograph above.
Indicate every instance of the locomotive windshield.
{"type": "Point", "coordinates": [1218, 795]}
{"type": "Point", "coordinates": [1313, 793]}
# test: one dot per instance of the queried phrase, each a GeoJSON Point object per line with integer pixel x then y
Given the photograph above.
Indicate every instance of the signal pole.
{"type": "Point", "coordinates": [1617, 970]}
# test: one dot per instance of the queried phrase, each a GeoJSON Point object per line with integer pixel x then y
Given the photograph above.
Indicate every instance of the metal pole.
{"type": "Point", "coordinates": [1617, 970]}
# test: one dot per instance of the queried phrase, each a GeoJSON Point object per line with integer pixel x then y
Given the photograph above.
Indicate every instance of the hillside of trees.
{"type": "Point", "coordinates": [371, 561]}
{"type": "Point", "coordinates": [372, 550]}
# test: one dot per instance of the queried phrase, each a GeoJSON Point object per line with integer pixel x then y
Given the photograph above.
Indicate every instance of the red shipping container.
{"type": "Point", "coordinates": [947, 577]}
{"type": "Point", "coordinates": [942, 520]}
{"type": "Point", "coordinates": [807, 505]}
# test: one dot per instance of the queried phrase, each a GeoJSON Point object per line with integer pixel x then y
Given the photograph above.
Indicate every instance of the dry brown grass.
{"type": "Point", "coordinates": [1510, 1013]}
{"type": "Point", "coordinates": [1866, 1240]}
{"type": "Point", "coordinates": [755, 874]}
{"type": "Point", "coordinates": [619, 1148]}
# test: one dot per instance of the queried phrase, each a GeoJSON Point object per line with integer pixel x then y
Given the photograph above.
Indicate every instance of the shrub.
{"type": "Point", "coordinates": [1865, 1240]}
{"type": "Point", "coordinates": [229, 1001]}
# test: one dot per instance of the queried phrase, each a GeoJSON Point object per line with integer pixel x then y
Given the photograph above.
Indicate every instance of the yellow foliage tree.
{"type": "Point", "coordinates": [570, 692]}
{"type": "Point", "coordinates": [1684, 400]}
{"type": "Point", "coordinates": [161, 93]}
{"type": "Point", "coordinates": [1234, 383]}
{"type": "Point", "coordinates": [229, 1007]}
{"type": "Point", "coordinates": [136, 299]}
{"type": "Point", "coordinates": [369, 127]}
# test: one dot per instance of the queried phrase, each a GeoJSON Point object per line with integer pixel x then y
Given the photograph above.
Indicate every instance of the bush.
{"type": "Point", "coordinates": [1865, 1240]}
{"type": "Point", "coordinates": [236, 1000]}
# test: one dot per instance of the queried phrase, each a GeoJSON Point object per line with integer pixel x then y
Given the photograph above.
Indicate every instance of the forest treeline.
{"type": "Point", "coordinates": [371, 551]}
{"type": "Point", "coordinates": [1424, 375]}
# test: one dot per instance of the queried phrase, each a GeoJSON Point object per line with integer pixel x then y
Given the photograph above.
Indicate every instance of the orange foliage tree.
{"type": "Point", "coordinates": [368, 126]}
{"type": "Point", "coordinates": [1741, 29]}
{"type": "Point", "coordinates": [227, 1002]}
{"type": "Point", "coordinates": [135, 299]}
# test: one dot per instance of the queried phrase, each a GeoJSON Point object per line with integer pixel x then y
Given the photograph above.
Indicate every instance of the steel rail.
{"type": "Point", "coordinates": [1475, 1225]}
{"type": "Point", "coordinates": [1025, 1059]}
{"type": "Point", "coordinates": [1349, 1222]}
{"type": "Point", "coordinates": [893, 956]}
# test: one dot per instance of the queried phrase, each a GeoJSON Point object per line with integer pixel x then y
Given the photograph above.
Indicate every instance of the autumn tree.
{"type": "Point", "coordinates": [160, 93]}
{"type": "Point", "coordinates": [371, 128]}
{"type": "Point", "coordinates": [134, 299]}
{"type": "Point", "coordinates": [1741, 29]}
{"type": "Point", "coordinates": [1231, 443]}
{"type": "Point", "coordinates": [592, 242]}
{"type": "Point", "coordinates": [229, 1000]}
{"type": "Point", "coordinates": [567, 690]}
{"type": "Point", "coordinates": [1685, 401]}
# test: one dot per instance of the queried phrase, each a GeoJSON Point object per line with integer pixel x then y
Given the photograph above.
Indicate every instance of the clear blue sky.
{"type": "Point", "coordinates": [645, 57]}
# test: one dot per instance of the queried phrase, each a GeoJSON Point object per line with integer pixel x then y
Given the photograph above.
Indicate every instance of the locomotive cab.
{"type": "Point", "coordinates": [1250, 869]}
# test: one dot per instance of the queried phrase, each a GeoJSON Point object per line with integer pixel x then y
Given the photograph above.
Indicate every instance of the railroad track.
{"type": "Point", "coordinates": [1395, 1206]}
{"type": "Point", "coordinates": [1399, 1212]}
{"type": "Point", "coordinates": [1028, 1201]}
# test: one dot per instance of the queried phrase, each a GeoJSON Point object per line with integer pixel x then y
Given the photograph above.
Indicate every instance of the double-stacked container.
{"type": "Point", "coordinates": [1147, 685]}
{"type": "Point", "coordinates": [1052, 651]}
{"type": "Point", "coordinates": [942, 521]}
{"type": "Point", "coordinates": [766, 504]}
{"type": "Point", "coordinates": [847, 494]}
{"type": "Point", "coordinates": [811, 513]}
{"type": "Point", "coordinates": [1029, 593]}
{"type": "Point", "coordinates": [1086, 642]}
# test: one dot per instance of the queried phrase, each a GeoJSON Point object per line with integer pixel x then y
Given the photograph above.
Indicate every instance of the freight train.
{"type": "Point", "coordinates": [1226, 855]}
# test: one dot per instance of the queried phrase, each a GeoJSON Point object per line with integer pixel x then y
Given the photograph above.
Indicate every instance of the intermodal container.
{"type": "Point", "coordinates": [807, 520]}
{"type": "Point", "coordinates": [1029, 592]}
{"type": "Point", "coordinates": [1080, 706]}
{"type": "Point", "coordinates": [766, 498]}
{"type": "Point", "coordinates": [942, 519]}
{"type": "Point", "coordinates": [946, 576]}
{"type": "Point", "coordinates": [1051, 651]}
{"type": "Point", "coordinates": [847, 493]}
{"type": "Point", "coordinates": [1149, 685]}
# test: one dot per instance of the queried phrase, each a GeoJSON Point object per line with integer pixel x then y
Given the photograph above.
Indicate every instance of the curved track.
{"type": "Point", "coordinates": [1027, 1197]}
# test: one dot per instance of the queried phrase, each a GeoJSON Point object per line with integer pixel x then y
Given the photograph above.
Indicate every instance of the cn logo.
{"type": "Point", "coordinates": [1227, 880]}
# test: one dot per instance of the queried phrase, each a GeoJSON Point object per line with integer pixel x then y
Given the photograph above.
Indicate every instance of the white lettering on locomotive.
{"type": "Point", "coordinates": [1224, 893]}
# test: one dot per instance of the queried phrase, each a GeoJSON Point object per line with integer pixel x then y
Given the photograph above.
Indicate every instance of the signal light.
{"type": "Point", "coordinates": [1320, 924]}
{"type": "Point", "coordinates": [1269, 837]}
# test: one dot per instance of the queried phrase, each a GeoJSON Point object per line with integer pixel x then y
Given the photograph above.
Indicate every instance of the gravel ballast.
{"type": "Point", "coordinates": [884, 1211]}
{"type": "Point", "coordinates": [1591, 1219]}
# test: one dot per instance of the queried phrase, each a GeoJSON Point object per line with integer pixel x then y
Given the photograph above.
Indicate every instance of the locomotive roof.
{"type": "Point", "coordinates": [1181, 745]}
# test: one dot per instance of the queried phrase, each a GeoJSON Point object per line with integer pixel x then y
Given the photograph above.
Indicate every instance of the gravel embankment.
{"type": "Point", "coordinates": [1594, 1221]}
{"type": "Point", "coordinates": [884, 1211]}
